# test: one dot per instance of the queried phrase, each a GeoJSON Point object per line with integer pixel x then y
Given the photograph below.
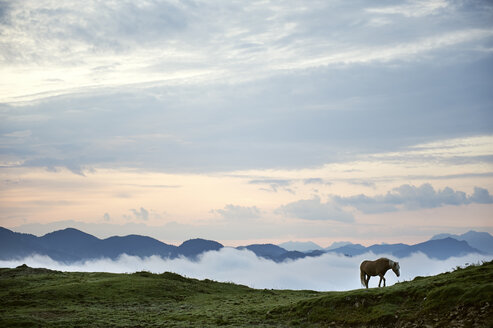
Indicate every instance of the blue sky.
{"type": "Point", "coordinates": [257, 121]}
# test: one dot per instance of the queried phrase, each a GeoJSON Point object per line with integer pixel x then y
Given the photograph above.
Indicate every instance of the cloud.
{"type": "Point", "coordinates": [316, 181]}
{"type": "Point", "coordinates": [274, 184]}
{"type": "Point", "coordinates": [237, 212]}
{"type": "Point", "coordinates": [409, 197]}
{"type": "Point", "coordinates": [314, 209]}
{"type": "Point", "coordinates": [481, 196]}
{"type": "Point", "coordinates": [329, 272]}
{"type": "Point", "coordinates": [302, 96]}
{"type": "Point", "coordinates": [141, 214]}
{"type": "Point", "coordinates": [413, 8]}
{"type": "Point", "coordinates": [75, 165]}
{"type": "Point", "coordinates": [18, 134]}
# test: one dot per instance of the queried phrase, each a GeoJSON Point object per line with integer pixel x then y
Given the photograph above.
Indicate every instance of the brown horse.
{"type": "Point", "coordinates": [377, 268]}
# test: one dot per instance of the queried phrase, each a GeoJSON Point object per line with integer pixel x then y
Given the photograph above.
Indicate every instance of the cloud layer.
{"type": "Point", "coordinates": [184, 114]}
{"type": "Point", "coordinates": [325, 273]}
{"type": "Point", "coordinates": [195, 86]}
{"type": "Point", "coordinates": [409, 197]}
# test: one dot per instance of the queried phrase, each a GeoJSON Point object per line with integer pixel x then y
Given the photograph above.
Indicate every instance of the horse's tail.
{"type": "Point", "coordinates": [362, 278]}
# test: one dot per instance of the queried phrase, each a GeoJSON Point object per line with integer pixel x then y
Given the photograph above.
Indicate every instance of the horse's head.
{"type": "Point", "coordinates": [396, 267]}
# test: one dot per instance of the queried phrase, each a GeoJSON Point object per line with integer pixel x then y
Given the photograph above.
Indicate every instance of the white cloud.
{"type": "Point", "coordinates": [217, 80]}
{"type": "Point", "coordinates": [396, 51]}
{"type": "Point", "coordinates": [454, 150]}
{"type": "Point", "coordinates": [329, 272]}
{"type": "Point", "coordinates": [314, 209]}
{"type": "Point", "coordinates": [18, 134]}
{"type": "Point", "coordinates": [237, 212]}
{"type": "Point", "coordinates": [409, 197]}
{"type": "Point", "coordinates": [413, 8]}
{"type": "Point", "coordinates": [480, 196]}
{"type": "Point", "coordinates": [141, 214]}
{"type": "Point", "coordinates": [97, 44]}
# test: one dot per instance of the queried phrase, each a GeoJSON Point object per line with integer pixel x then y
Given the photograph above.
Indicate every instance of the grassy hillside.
{"type": "Point", "coordinates": [39, 297]}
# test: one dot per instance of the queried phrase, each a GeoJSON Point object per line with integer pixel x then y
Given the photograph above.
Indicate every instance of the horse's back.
{"type": "Point", "coordinates": [371, 268]}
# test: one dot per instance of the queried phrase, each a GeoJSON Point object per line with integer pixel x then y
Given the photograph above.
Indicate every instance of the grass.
{"type": "Point", "coordinates": [39, 297]}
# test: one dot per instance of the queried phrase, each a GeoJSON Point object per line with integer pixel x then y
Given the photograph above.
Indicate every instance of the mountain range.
{"type": "Point", "coordinates": [72, 245]}
{"type": "Point", "coordinates": [308, 246]}
{"type": "Point", "coordinates": [440, 249]}
{"type": "Point", "coordinates": [480, 240]}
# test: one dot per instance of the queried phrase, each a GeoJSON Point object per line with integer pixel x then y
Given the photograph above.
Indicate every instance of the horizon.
{"type": "Point", "coordinates": [258, 122]}
{"type": "Point", "coordinates": [238, 243]}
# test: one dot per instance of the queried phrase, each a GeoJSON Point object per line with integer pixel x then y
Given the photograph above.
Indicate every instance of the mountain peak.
{"type": "Point", "coordinates": [194, 247]}
{"type": "Point", "coordinates": [197, 241]}
{"type": "Point", "coordinates": [68, 231]}
{"type": "Point", "coordinates": [482, 241]}
{"type": "Point", "coordinates": [69, 235]}
{"type": "Point", "coordinates": [301, 246]}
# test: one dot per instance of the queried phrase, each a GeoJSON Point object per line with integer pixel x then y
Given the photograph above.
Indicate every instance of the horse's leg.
{"type": "Point", "coordinates": [381, 279]}
{"type": "Point", "coordinates": [367, 281]}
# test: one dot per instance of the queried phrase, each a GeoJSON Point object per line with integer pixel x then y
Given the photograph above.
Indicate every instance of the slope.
{"type": "Point", "coordinates": [460, 298]}
{"type": "Point", "coordinates": [40, 297]}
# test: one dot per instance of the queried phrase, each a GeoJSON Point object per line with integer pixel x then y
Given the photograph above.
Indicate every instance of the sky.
{"type": "Point", "coordinates": [247, 122]}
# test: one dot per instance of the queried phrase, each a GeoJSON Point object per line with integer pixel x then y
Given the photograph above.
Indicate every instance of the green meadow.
{"type": "Point", "coordinates": [32, 297]}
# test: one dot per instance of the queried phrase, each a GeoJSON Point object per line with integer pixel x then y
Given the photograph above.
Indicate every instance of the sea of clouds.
{"type": "Point", "coordinates": [329, 272]}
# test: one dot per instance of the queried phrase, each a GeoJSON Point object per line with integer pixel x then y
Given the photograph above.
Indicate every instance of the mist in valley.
{"type": "Point", "coordinates": [329, 272]}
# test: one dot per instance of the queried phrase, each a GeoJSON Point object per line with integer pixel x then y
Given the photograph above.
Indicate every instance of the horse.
{"type": "Point", "coordinates": [377, 268]}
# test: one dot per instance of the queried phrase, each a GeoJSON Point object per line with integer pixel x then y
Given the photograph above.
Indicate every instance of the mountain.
{"type": "Point", "coordinates": [388, 248]}
{"type": "Point", "coordinates": [136, 245]}
{"type": "Point", "coordinates": [72, 245]}
{"type": "Point", "coordinates": [278, 254]}
{"type": "Point", "coordinates": [271, 252]}
{"type": "Point", "coordinates": [300, 246]}
{"type": "Point", "coordinates": [14, 244]}
{"type": "Point", "coordinates": [265, 250]}
{"type": "Point", "coordinates": [350, 249]}
{"type": "Point", "coordinates": [193, 247]}
{"type": "Point", "coordinates": [479, 240]}
{"type": "Point", "coordinates": [338, 244]}
{"type": "Point", "coordinates": [439, 249]}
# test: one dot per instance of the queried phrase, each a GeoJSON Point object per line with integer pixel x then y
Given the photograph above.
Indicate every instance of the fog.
{"type": "Point", "coordinates": [329, 272]}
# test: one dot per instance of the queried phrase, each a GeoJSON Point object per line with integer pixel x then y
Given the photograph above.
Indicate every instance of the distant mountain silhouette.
{"type": "Point", "coordinates": [137, 246]}
{"type": "Point", "coordinates": [479, 240]}
{"type": "Point", "coordinates": [349, 249]}
{"type": "Point", "coordinates": [300, 246]}
{"type": "Point", "coordinates": [72, 245]}
{"type": "Point", "coordinates": [194, 247]}
{"type": "Point", "coordinates": [265, 250]}
{"type": "Point", "coordinates": [278, 254]}
{"type": "Point", "coordinates": [338, 244]}
{"type": "Point", "coordinates": [18, 245]}
{"type": "Point", "coordinates": [438, 249]}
